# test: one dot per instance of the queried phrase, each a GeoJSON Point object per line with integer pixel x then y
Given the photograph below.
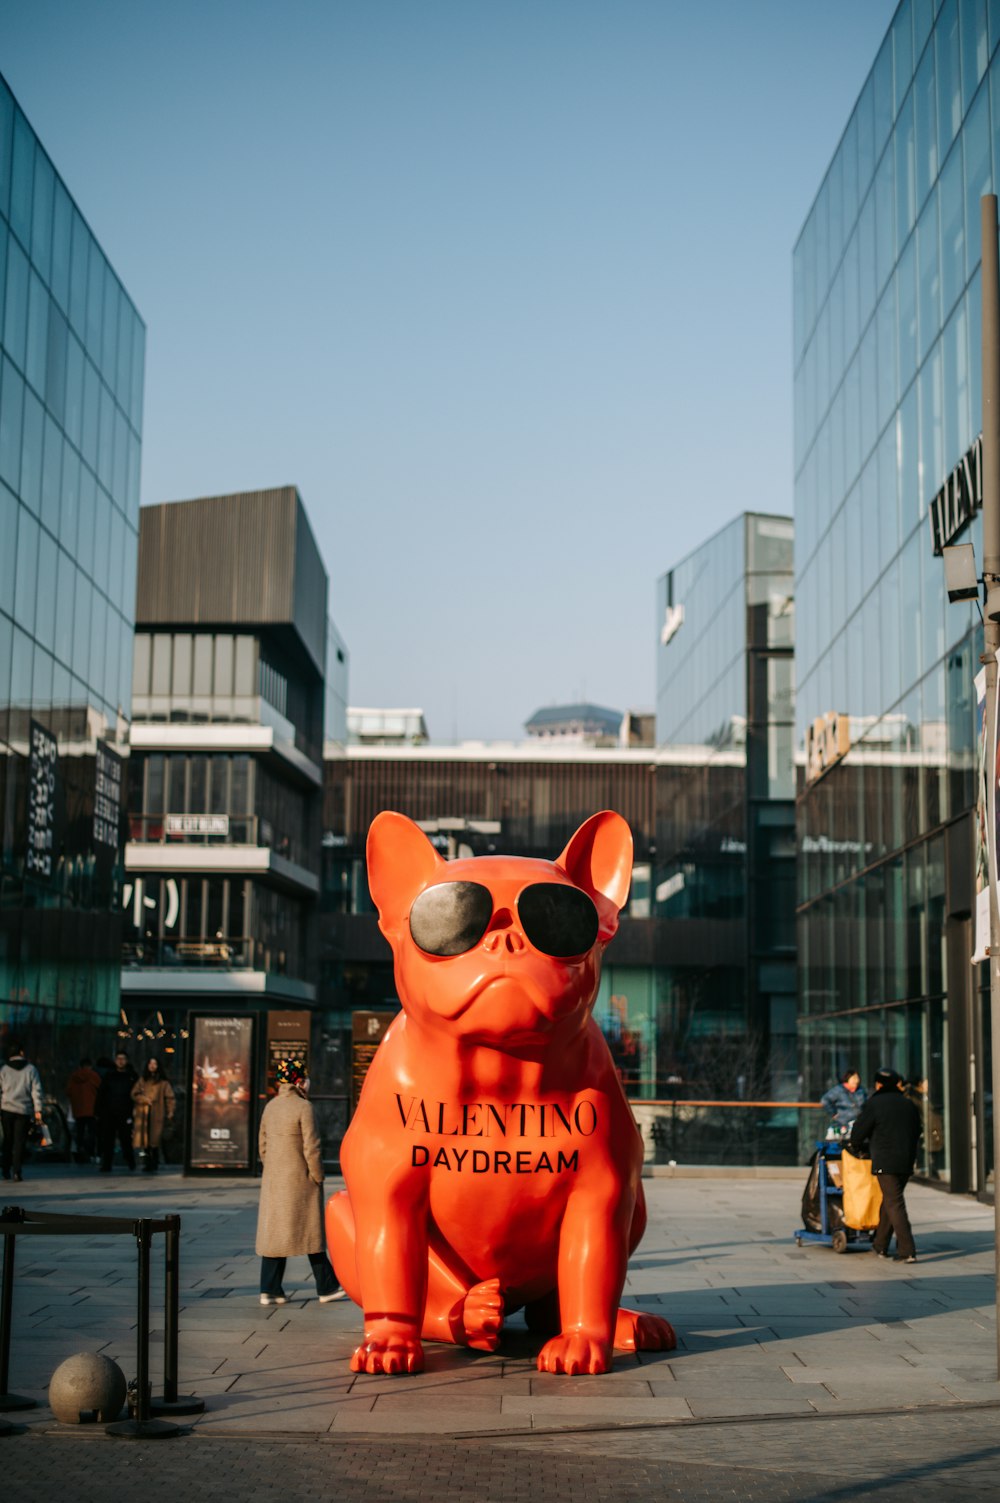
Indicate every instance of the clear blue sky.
{"type": "Point", "coordinates": [504, 286]}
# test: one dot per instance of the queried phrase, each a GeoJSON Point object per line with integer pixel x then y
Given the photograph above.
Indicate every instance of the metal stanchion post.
{"type": "Point", "coordinates": [9, 1401]}
{"type": "Point", "coordinates": [172, 1403]}
{"type": "Point", "coordinates": [143, 1427]}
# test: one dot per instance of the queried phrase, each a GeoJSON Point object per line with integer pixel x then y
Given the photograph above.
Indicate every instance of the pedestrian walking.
{"type": "Point", "coordinates": [81, 1090]}
{"type": "Point", "coordinates": [114, 1112]}
{"type": "Point", "coordinates": [20, 1105]}
{"type": "Point", "coordinates": [889, 1126]}
{"type": "Point", "coordinates": [152, 1108]}
{"type": "Point", "coordinates": [290, 1220]}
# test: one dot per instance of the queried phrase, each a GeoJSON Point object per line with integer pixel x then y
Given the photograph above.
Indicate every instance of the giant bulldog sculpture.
{"type": "Point", "coordinates": [493, 1161]}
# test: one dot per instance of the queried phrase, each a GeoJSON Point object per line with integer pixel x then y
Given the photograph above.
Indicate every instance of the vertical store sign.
{"type": "Point", "coordinates": [367, 1031]}
{"type": "Point", "coordinates": [43, 787]}
{"type": "Point", "coordinates": [107, 796]}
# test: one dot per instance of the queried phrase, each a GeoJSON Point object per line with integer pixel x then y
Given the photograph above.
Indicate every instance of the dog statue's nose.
{"type": "Point", "coordinates": [503, 933]}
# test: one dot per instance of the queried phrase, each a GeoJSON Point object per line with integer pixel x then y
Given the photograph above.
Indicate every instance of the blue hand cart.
{"type": "Point", "coordinates": [823, 1204]}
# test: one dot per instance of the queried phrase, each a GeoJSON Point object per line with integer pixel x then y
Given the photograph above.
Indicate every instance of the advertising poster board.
{"type": "Point", "coordinates": [221, 1117]}
{"type": "Point", "coordinates": [287, 1038]}
{"type": "Point", "coordinates": [982, 925]}
{"type": "Point", "coordinates": [367, 1029]}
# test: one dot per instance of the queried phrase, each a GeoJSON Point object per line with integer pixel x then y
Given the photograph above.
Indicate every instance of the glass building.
{"type": "Point", "coordinates": [724, 843]}
{"type": "Point", "coordinates": [887, 414]}
{"type": "Point", "coordinates": [71, 389]}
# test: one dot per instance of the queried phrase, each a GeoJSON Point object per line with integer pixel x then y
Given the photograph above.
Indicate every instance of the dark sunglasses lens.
{"type": "Point", "coordinates": [450, 918]}
{"type": "Point", "coordinates": [559, 921]}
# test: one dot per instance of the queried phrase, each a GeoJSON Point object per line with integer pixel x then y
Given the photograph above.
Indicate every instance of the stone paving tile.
{"type": "Point", "coordinates": [602, 1409]}
{"type": "Point", "coordinates": [703, 1407]}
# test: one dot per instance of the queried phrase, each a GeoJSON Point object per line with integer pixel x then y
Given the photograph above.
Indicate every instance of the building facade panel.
{"type": "Point", "coordinates": [888, 403]}
{"type": "Point", "coordinates": [71, 391]}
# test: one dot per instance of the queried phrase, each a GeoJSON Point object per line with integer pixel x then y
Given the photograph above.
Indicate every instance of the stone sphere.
{"type": "Point", "coordinates": [87, 1386]}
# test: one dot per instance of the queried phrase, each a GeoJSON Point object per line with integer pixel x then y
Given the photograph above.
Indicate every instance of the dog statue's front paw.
{"type": "Point", "coordinates": [640, 1332]}
{"type": "Point", "coordinates": [388, 1349]}
{"type": "Point", "coordinates": [575, 1354]}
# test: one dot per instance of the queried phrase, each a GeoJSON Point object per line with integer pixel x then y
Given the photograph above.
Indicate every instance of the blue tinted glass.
{"type": "Point", "coordinates": [116, 561]}
{"type": "Point", "coordinates": [956, 388]}
{"type": "Point", "coordinates": [869, 390]}
{"type": "Point", "coordinates": [36, 350]}
{"type": "Point", "coordinates": [123, 376]}
{"type": "Point", "coordinates": [70, 510]}
{"type": "Point", "coordinates": [923, 20]}
{"type": "Point", "coordinates": [15, 324]}
{"type": "Point", "coordinates": [73, 409]}
{"type": "Point", "coordinates": [51, 475]}
{"type": "Point", "coordinates": [949, 80]}
{"type": "Point", "coordinates": [8, 553]}
{"type": "Point", "coordinates": [106, 436]}
{"type": "Point", "coordinates": [41, 215]}
{"type": "Point", "coordinates": [95, 302]}
{"type": "Point", "coordinates": [119, 485]}
{"type": "Point", "coordinates": [885, 219]}
{"type": "Point", "coordinates": [978, 174]}
{"type": "Point", "coordinates": [22, 175]}
{"type": "Point", "coordinates": [909, 453]}
{"type": "Point", "coordinates": [62, 244]}
{"type": "Point", "coordinates": [109, 337]}
{"type": "Point", "coordinates": [975, 46]}
{"type": "Point", "coordinates": [32, 437]}
{"type": "Point", "coordinates": [27, 570]}
{"type": "Point", "coordinates": [41, 680]}
{"type": "Point", "coordinates": [6, 143]}
{"type": "Point", "coordinates": [78, 276]}
{"type": "Point", "coordinates": [91, 414]}
{"type": "Point", "coordinates": [866, 258]}
{"type": "Point", "coordinates": [102, 540]}
{"type": "Point", "coordinates": [925, 126]}
{"type": "Point", "coordinates": [932, 471]}
{"type": "Point", "coordinates": [952, 229]}
{"type": "Point", "coordinates": [929, 272]}
{"type": "Point", "coordinates": [65, 595]}
{"type": "Point", "coordinates": [88, 521]}
{"type": "Point", "coordinates": [902, 52]}
{"type": "Point", "coordinates": [888, 391]}
{"type": "Point", "coordinates": [55, 365]}
{"type": "Point", "coordinates": [882, 85]}
{"type": "Point", "coordinates": [132, 499]}
{"type": "Point", "coordinates": [11, 406]}
{"type": "Point", "coordinates": [906, 307]}
{"type": "Point", "coordinates": [45, 607]}
{"type": "Point", "coordinates": [906, 191]}
{"type": "Point", "coordinates": [98, 642]}
{"type": "Point", "coordinates": [81, 626]}
{"type": "Point", "coordinates": [138, 363]}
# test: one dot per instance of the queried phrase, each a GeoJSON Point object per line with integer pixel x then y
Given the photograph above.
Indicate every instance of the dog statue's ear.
{"type": "Point", "coordinates": [401, 863]}
{"type": "Point", "coordinates": [598, 858]}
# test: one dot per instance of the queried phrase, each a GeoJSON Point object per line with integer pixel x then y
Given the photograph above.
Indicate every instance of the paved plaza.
{"type": "Point", "coordinates": [798, 1374]}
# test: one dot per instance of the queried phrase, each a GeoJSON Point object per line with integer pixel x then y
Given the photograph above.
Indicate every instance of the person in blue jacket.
{"type": "Point", "coordinates": [845, 1100]}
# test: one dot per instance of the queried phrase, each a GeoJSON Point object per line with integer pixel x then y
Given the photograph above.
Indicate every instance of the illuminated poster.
{"type": "Point", "coordinates": [221, 1095]}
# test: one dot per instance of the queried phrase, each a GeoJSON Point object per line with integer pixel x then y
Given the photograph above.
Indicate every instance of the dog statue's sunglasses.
{"type": "Point", "coordinates": [452, 917]}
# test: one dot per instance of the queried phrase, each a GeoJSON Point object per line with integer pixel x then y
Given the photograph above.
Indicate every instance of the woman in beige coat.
{"type": "Point", "coordinates": [290, 1221]}
{"type": "Point", "coordinates": [152, 1109]}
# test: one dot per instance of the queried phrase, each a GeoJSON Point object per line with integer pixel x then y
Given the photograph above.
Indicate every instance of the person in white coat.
{"type": "Point", "coordinates": [290, 1220]}
{"type": "Point", "coordinates": [20, 1101]}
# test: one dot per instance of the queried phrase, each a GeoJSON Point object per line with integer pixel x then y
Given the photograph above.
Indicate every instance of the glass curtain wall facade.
{"type": "Point", "coordinates": [724, 847]}
{"type": "Point", "coordinates": [71, 390]}
{"type": "Point", "coordinates": [887, 404]}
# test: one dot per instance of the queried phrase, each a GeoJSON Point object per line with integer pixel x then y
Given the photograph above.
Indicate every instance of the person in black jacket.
{"type": "Point", "coordinates": [889, 1125]}
{"type": "Point", "coordinates": [114, 1112]}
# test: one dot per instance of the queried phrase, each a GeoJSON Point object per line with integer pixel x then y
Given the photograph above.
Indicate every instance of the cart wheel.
{"type": "Point", "coordinates": [839, 1241]}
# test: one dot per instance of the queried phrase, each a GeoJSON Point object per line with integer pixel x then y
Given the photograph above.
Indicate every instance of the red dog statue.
{"type": "Point", "coordinates": [493, 1161]}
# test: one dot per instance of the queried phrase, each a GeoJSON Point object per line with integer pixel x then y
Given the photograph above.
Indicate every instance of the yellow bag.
{"type": "Point", "coordinates": [862, 1192]}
